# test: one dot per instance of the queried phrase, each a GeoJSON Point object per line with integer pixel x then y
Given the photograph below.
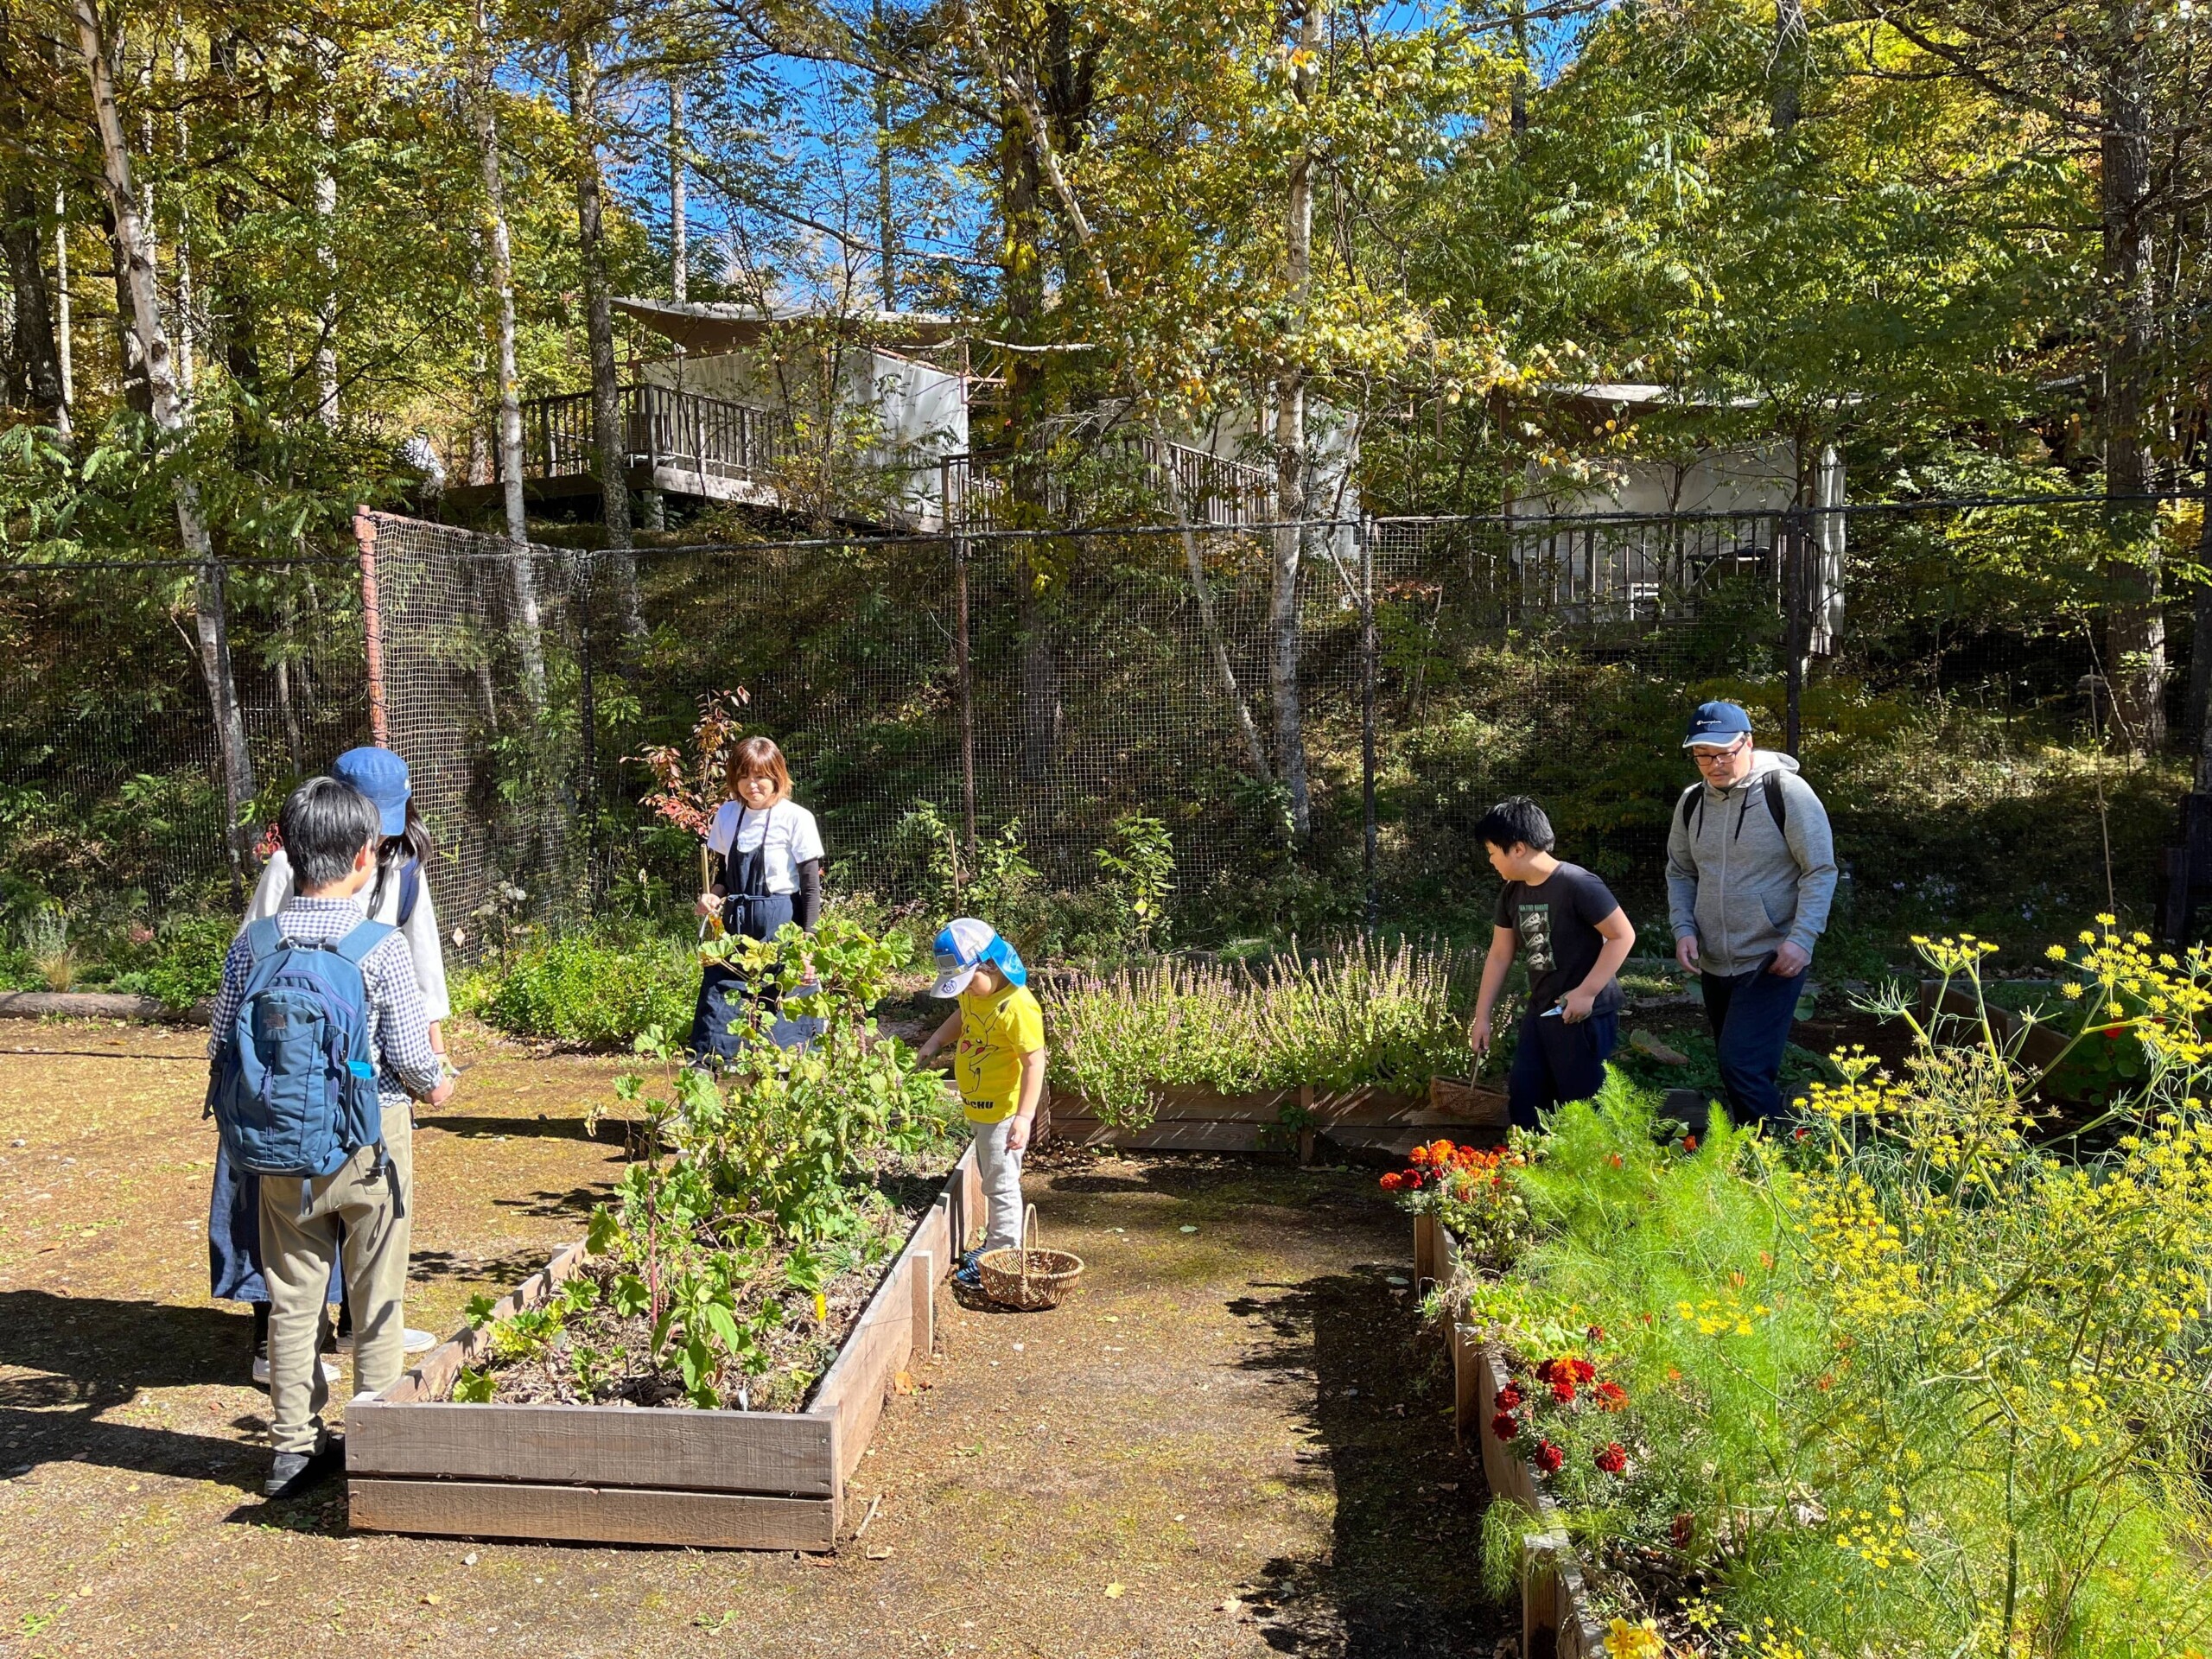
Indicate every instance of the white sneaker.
{"type": "Point", "coordinates": [261, 1371]}
{"type": "Point", "coordinates": [411, 1341]}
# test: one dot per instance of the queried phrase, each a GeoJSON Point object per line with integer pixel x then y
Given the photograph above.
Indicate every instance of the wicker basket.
{"type": "Point", "coordinates": [1028, 1277]}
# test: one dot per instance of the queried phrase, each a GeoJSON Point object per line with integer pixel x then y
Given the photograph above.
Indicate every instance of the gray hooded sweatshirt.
{"type": "Point", "coordinates": [1739, 884]}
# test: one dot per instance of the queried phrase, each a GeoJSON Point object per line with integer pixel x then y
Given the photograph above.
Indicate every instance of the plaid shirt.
{"type": "Point", "coordinates": [399, 1034]}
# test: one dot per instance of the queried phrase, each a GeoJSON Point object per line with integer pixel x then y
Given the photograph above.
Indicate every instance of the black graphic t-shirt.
{"type": "Point", "coordinates": [1557, 920]}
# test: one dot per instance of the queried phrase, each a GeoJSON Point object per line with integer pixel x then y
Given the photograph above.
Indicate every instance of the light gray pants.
{"type": "Point", "coordinates": [1002, 1175]}
{"type": "Point", "coordinates": [296, 1252]}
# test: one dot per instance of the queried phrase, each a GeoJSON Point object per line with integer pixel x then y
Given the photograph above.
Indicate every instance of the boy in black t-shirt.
{"type": "Point", "coordinates": [1575, 937]}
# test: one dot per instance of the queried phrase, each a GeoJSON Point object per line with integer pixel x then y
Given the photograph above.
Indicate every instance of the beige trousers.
{"type": "Point", "coordinates": [297, 1251]}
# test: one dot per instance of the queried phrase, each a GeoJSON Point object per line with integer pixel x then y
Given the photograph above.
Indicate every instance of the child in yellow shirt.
{"type": "Point", "coordinates": [998, 1066]}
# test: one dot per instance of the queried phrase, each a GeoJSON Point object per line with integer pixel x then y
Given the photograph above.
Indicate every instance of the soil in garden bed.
{"type": "Point", "coordinates": [601, 1357]}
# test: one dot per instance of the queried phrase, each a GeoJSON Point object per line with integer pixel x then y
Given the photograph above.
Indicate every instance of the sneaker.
{"type": "Point", "coordinates": [291, 1473]}
{"type": "Point", "coordinates": [969, 1277]}
{"type": "Point", "coordinates": [411, 1341]}
{"type": "Point", "coordinates": [261, 1371]}
{"type": "Point", "coordinates": [969, 1258]}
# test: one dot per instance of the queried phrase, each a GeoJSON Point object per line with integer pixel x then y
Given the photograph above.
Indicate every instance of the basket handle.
{"type": "Point", "coordinates": [1029, 1231]}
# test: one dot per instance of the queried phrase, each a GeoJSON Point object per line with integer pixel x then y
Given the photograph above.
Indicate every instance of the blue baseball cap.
{"type": "Point", "coordinates": [382, 775]}
{"type": "Point", "coordinates": [964, 945]}
{"type": "Point", "coordinates": [1716, 725]}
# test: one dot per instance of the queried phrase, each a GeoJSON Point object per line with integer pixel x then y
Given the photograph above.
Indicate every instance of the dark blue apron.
{"type": "Point", "coordinates": [751, 911]}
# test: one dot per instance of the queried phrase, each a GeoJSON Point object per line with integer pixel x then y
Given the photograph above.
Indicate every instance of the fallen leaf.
{"type": "Point", "coordinates": [1230, 1606]}
{"type": "Point", "coordinates": [1190, 1230]}
{"type": "Point", "coordinates": [470, 1559]}
{"type": "Point", "coordinates": [881, 1553]}
{"type": "Point", "coordinates": [904, 1383]}
{"type": "Point", "coordinates": [1114, 1590]}
{"type": "Point", "coordinates": [431, 1600]}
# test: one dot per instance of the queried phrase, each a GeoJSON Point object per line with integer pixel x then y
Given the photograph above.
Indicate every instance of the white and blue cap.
{"type": "Point", "coordinates": [382, 775]}
{"type": "Point", "coordinates": [964, 945]}
{"type": "Point", "coordinates": [1716, 725]}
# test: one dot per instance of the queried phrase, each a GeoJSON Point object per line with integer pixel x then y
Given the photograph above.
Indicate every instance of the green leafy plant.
{"type": "Point", "coordinates": [597, 990]}
{"type": "Point", "coordinates": [1140, 866]}
{"type": "Point", "coordinates": [757, 1183]}
{"type": "Point", "coordinates": [186, 965]}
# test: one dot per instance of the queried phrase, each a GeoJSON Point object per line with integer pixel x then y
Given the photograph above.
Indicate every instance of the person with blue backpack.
{"type": "Point", "coordinates": [319, 1041]}
{"type": "Point", "coordinates": [400, 896]}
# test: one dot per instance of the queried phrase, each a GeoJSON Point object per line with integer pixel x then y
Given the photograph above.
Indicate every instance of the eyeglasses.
{"type": "Point", "coordinates": [1708, 757]}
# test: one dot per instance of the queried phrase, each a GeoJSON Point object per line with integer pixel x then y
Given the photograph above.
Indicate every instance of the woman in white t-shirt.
{"type": "Point", "coordinates": [770, 855]}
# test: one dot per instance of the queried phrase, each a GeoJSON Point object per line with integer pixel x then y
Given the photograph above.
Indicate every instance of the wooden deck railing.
{"type": "Point", "coordinates": [661, 427]}
{"type": "Point", "coordinates": [1172, 480]}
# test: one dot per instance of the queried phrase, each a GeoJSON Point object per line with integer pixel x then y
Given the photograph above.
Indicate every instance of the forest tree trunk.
{"type": "Point", "coordinates": [499, 257]}
{"type": "Point", "coordinates": [610, 443]}
{"type": "Point", "coordinates": [35, 349]}
{"type": "Point", "coordinates": [1289, 540]}
{"type": "Point", "coordinates": [211, 624]}
{"type": "Point", "coordinates": [2135, 633]}
{"type": "Point", "coordinates": [1026, 393]}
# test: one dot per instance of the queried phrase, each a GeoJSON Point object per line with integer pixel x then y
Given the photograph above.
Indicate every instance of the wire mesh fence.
{"type": "Point", "coordinates": [1973, 700]}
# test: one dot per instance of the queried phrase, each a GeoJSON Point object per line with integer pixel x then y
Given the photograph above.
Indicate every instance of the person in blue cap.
{"type": "Point", "coordinates": [398, 895]}
{"type": "Point", "coordinates": [1751, 875]}
{"type": "Point", "coordinates": [998, 1066]}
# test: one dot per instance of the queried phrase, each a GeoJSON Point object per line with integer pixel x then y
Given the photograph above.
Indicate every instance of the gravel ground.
{"type": "Point", "coordinates": [1230, 1440]}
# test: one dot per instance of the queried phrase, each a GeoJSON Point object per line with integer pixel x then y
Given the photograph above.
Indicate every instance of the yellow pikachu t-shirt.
{"type": "Point", "coordinates": [995, 1031]}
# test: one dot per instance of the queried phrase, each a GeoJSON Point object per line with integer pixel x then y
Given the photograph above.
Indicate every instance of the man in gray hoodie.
{"type": "Point", "coordinates": [1750, 874]}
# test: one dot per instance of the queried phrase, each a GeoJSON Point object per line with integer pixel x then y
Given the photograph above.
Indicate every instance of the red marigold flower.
{"type": "Point", "coordinates": [1597, 1333]}
{"type": "Point", "coordinates": [1583, 1370]}
{"type": "Point", "coordinates": [1801, 1133]}
{"type": "Point", "coordinates": [1612, 1396]}
{"type": "Point", "coordinates": [1505, 1426]}
{"type": "Point", "coordinates": [1613, 1458]}
{"type": "Point", "coordinates": [1508, 1397]}
{"type": "Point", "coordinates": [1549, 1458]}
{"type": "Point", "coordinates": [1563, 1389]}
{"type": "Point", "coordinates": [1615, 1160]}
{"type": "Point", "coordinates": [1689, 1143]}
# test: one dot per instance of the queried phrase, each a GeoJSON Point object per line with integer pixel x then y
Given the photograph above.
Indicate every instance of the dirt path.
{"type": "Point", "coordinates": [1230, 1442]}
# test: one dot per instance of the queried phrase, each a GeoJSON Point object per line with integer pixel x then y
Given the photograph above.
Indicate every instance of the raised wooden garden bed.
{"type": "Point", "coordinates": [416, 1462]}
{"type": "Point", "coordinates": [1555, 1599]}
{"type": "Point", "coordinates": [1204, 1120]}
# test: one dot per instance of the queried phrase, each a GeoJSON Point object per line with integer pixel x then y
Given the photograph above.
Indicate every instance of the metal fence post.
{"type": "Point", "coordinates": [1793, 623]}
{"type": "Point", "coordinates": [1364, 533]}
{"type": "Point", "coordinates": [365, 536]}
{"type": "Point", "coordinates": [587, 716]}
{"type": "Point", "coordinates": [964, 673]}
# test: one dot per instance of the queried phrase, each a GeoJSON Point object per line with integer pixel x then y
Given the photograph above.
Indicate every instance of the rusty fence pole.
{"type": "Point", "coordinates": [365, 536]}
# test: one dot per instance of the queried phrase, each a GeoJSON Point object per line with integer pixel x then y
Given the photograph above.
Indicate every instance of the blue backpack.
{"type": "Point", "coordinates": [293, 1088]}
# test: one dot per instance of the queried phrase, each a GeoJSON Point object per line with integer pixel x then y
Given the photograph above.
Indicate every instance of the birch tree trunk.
{"type": "Point", "coordinates": [498, 257]}
{"type": "Point", "coordinates": [609, 441]}
{"type": "Point", "coordinates": [187, 318]}
{"type": "Point", "coordinates": [212, 627]}
{"type": "Point", "coordinates": [679, 269]}
{"type": "Point", "coordinates": [65, 335]}
{"type": "Point", "coordinates": [1290, 453]}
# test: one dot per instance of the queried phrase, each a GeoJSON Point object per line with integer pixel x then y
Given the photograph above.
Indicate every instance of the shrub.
{"type": "Point", "coordinates": [1370, 1016]}
{"type": "Point", "coordinates": [186, 965]}
{"type": "Point", "coordinates": [595, 989]}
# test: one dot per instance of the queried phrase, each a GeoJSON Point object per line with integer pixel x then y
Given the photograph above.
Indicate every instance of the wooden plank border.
{"type": "Point", "coordinates": [1555, 1597]}
{"type": "Point", "coordinates": [416, 1462]}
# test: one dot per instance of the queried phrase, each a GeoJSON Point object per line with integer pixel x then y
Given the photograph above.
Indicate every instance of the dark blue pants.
{"type": "Point", "coordinates": [1750, 1015]}
{"type": "Point", "coordinates": [722, 992]}
{"type": "Point", "coordinates": [1555, 1063]}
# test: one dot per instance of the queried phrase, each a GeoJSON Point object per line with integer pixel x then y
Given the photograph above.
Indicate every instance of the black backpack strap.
{"type": "Point", "coordinates": [1690, 795]}
{"type": "Point", "coordinates": [1777, 803]}
{"type": "Point", "coordinates": [411, 889]}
